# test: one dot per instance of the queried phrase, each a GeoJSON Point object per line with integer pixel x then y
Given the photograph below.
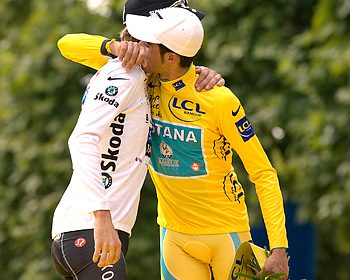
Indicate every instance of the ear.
{"type": "Point", "coordinates": [172, 58]}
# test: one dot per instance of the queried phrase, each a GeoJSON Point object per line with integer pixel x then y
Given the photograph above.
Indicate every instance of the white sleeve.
{"type": "Point", "coordinates": [103, 100]}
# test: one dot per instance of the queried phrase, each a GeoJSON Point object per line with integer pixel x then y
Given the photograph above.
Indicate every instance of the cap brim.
{"type": "Point", "coordinates": [140, 28]}
{"type": "Point", "coordinates": [247, 256]}
{"type": "Point", "coordinates": [199, 14]}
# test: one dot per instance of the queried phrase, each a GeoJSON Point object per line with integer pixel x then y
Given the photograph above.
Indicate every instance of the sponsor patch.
{"type": "Point", "coordinates": [110, 158]}
{"type": "Point", "coordinates": [245, 129]}
{"type": "Point", "coordinates": [79, 242]}
{"type": "Point", "coordinates": [179, 85]}
{"type": "Point", "coordinates": [177, 150]}
{"type": "Point", "coordinates": [107, 180]}
{"type": "Point", "coordinates": [195, 166]}
{"type": "Point", "coordinates": [111, 91]}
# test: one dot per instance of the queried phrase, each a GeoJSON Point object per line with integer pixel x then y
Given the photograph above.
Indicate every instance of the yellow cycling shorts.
{"type": "Point", "coordinates": [198, 257]}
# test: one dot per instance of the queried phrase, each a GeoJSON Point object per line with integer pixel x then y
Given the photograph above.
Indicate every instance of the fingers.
{"type": "Point", "coordinates": [130, 53]}
{"type": "Point", "coordinates": [134, 55]}
{"type": "Point", "coordinates": [208, 79]}
{"type": "Point", "coordinates": [106, 254]}
{"type": "Point", "coordinates": [120, 50]}
{"type": "Point", "coordinates": [97, 252]}
{"type": "Point", "coordinates": [141, 55]}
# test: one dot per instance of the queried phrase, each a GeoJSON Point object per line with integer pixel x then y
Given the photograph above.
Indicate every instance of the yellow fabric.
{"type": "Point", "coordinates": [83, 48]}
{"type": "Point", "coordinates": [186, 256]}
{"type": "Point", "coordinates": [200, 192]}
{"type": "Point", "coordinates": [108, 45]}
{"type": "Point", "coordinates": [197, 188]}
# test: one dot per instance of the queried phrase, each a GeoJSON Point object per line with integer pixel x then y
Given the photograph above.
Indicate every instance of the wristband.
{"type": "Point", "coordinates": [105, 48]}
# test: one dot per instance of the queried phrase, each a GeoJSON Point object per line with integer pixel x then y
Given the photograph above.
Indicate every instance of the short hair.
{"type": "Point", "coordinates": [184, 60]}
{"type": "Point", "coordinates": [124, 35]}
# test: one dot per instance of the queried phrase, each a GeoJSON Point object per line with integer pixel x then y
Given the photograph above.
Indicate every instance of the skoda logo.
{"type": "Point", "coordinates": [107, 180]}
{"type": "Point", "coordinates": [111, 91]}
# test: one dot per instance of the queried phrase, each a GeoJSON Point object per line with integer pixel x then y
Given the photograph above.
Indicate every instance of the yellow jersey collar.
{"type": "Point", "coordinates": [177, 84]}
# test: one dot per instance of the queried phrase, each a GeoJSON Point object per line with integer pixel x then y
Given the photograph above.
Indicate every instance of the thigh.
{"type": "Point", "coordinates": [224, 250]}
{"type": "Point", "coordinates": [76, 250]}
{"type": "Point", "coordinates": [58, 261]}
{"type": "Point", "coordinates": [178, 264]}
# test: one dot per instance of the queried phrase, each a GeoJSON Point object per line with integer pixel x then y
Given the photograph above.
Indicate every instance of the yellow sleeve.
{"type": "Point", "coordinates": [84, 49]}
{"type": "Point", "coordinates": [235, 126]}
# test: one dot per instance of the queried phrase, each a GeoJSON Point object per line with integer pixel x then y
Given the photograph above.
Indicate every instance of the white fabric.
{"type": "Point", "coordinates": [108, 146]}
{"type": "Point", "coordinates": [176, 28]}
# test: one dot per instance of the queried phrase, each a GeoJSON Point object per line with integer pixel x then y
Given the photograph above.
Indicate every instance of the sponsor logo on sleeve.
{"type": "Point", "coordinates": [234, 113]}
{"type": "Point", "coordinates": [245, 129]}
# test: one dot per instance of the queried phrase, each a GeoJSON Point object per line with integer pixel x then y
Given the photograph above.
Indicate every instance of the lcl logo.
{"type": "Point", "coordinates": [185, 110]}
{"type": "Point", "coordinates": [245, 129]}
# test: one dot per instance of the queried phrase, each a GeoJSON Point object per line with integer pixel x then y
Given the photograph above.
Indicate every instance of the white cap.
{"type": "Point", "coordinates": [178, 29]}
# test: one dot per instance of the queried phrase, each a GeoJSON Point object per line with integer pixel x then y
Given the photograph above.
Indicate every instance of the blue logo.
{"type": "Point", "coordinates": [179, 85]}
{"type": "Point", "coordinates": [245, 129]}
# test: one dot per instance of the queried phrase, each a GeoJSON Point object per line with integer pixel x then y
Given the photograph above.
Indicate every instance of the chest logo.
{"type": "Point", "coordinates": [185, 110]}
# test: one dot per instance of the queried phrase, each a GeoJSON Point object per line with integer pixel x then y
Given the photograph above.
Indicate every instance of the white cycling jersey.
{"type": "Point", "coordinates": [110, 148]}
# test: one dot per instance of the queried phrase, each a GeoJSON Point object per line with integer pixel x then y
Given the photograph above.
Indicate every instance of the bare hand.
{"type": "Point", "coordinates": [107, 242]}
{"type": "Point", "coordinates": [130, 53]}
{"type": "Point", "coordinates": [208, 78]}
{"type": "Point", "coordinates": [277, 262]}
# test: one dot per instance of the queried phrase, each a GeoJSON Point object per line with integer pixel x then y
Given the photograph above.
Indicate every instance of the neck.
{"type": "Point", "coordinates": [172, 73]}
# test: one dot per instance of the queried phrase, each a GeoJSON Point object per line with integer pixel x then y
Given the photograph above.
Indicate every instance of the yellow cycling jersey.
{"type": "Point", "coordinates": [193, 137]}
{"type": "Point", "coordinates": [191, 161]}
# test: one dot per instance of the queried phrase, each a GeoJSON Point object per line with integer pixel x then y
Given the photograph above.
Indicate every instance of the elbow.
{"type": "Point", "coordinates": [63, 44]}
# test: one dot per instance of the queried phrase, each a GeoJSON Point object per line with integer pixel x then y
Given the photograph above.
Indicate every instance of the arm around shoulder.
{"type": "Point", "coordinates": [83, 48]}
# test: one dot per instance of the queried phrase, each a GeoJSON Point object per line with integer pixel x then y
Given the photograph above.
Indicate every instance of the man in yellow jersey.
{"type": "Point", "coordinates": [201, 205]}
{"type": "Point", "coordinates": [202, 213]}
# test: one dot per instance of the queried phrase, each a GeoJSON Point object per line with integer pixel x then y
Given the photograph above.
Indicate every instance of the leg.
{"type": "Point", "coordinates": [58, 261]}
{"type": "Point", "coordinates": [224, 254]}
{"type": "Point", "coordinates": [76, 251]}
{"type": "Point", "coordinates": [178, 264]}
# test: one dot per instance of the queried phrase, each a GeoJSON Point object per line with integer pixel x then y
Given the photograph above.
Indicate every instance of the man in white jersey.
{"type": "Point", "coordinates": [110, 148]}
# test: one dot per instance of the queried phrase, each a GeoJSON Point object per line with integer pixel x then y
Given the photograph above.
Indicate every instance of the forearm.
{"type": "Point", "coordinates": [271, 203]}
{"type": "Point", "coordinates": [84, 49]}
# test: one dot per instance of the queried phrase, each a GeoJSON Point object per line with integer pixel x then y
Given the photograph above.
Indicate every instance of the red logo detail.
{"type": "Point", "coordinates": [79, 242]}
{"type": "Point", "coordinates": [195, 166]}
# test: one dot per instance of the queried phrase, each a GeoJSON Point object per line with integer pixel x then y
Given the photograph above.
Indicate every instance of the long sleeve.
{"type": "Point", "coordinates": [239, 132]}
{"type": "Point", "coordinates": [83, 48]}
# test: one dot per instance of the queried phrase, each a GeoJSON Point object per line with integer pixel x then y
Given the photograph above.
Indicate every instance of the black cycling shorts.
{"type": "Point", "coordinates": [72, 256]}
